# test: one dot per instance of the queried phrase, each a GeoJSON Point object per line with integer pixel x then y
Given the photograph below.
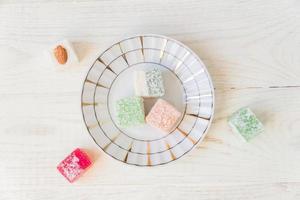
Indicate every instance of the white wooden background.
{"type": "Point", "coordinates": [251, 49]}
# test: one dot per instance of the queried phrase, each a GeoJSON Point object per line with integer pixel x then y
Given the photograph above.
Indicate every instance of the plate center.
{"type": "Point", "coordinates": [123, 86]}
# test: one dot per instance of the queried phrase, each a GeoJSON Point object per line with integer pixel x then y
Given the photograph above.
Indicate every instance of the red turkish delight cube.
{"type": "Point", "coordinates": [74, 165]}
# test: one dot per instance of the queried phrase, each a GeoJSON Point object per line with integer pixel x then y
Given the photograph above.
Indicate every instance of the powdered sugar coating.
{"type": "Point", "coordinates": [163, 116]}
{"type": "Point", "coordinates": [74, 165]}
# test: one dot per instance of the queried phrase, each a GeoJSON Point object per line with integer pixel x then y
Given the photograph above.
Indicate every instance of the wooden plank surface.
{"type": "Point", "coordinates": [251, 49]}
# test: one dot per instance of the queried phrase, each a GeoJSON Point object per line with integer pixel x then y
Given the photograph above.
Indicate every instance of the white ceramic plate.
{"type": "Point", "coordinates": [188, 87]}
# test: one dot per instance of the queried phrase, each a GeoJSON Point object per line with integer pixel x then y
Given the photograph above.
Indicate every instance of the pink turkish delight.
{"type": "Point", "coordinates": [163, 116]}
{"type": "Point", "coordinates": [74, 165]}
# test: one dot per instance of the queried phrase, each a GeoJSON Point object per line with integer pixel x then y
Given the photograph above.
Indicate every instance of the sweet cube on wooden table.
{"type": "Point", "coordinates": [62, 53]}
{"type": "Point", "coordinates": [130, 111]}
{"type": "Point", "coordinates": [245, 123]}
{"type": "Point", "coordinates": [149, 83]}
{"type": "Point", "coordinates": [74, 165]}
{"type": "Point", "coordinates": [163, 116]}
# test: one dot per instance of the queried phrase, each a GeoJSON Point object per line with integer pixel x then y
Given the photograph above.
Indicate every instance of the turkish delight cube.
{"type": "Point", "coordinates": [245, 123]}
{"type": "Point", "coordinates": [62, 53]}
{"type": "Point", "coordinates": [149, 83]}
{"type": "Point", "coordinates": [74, 165]}
{"type": "Point", "coordinates": [163, 116]}
{"type": "Point", "coordinates": [130, 111]}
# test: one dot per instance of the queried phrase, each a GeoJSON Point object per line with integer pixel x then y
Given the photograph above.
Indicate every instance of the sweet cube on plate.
{"type": "Point", "coordinates": [130, 111]}
{"type": "Point", "coordinates": [149, 83]}
{"type": "Point", "coordinates": [163, 116]}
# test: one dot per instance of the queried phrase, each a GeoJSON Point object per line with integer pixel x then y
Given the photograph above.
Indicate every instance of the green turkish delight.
{"type": "Point", "coordinates": [130, 111]}
{"type": "Point", "coordinates": [245, 123]}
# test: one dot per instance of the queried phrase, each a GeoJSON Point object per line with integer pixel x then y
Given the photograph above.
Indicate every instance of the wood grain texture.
{"type": "Point", "coordinates": [251, 49]}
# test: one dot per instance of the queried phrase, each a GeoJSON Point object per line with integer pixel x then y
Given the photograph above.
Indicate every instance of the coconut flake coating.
{"type": "Point", "coordinates": [74, 165]}
{"type": "Point", "coordinates": [130, 111]}
{"type": "Point", "coordinates": [149, 83]}
{"type": "Point", "coordinates": [245, 123]}
{"type": "Point", "coordinates": [163, 116]}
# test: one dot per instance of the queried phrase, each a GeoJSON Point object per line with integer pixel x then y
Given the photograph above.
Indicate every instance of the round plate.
{"type": "Point", "coordinates": [188, 87]}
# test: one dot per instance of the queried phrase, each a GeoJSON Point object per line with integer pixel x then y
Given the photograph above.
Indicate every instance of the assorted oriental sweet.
{"type": "Point", "coordinates": [163, 115]}
{"type": "Point", "coordinates": [149, 83]}
{"type": "Point", "coordinates": [130, 110]}
{"type": "Point", "coordinates": [74, 165]}
{"type": "Point", "coordinates": [245, 123]}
